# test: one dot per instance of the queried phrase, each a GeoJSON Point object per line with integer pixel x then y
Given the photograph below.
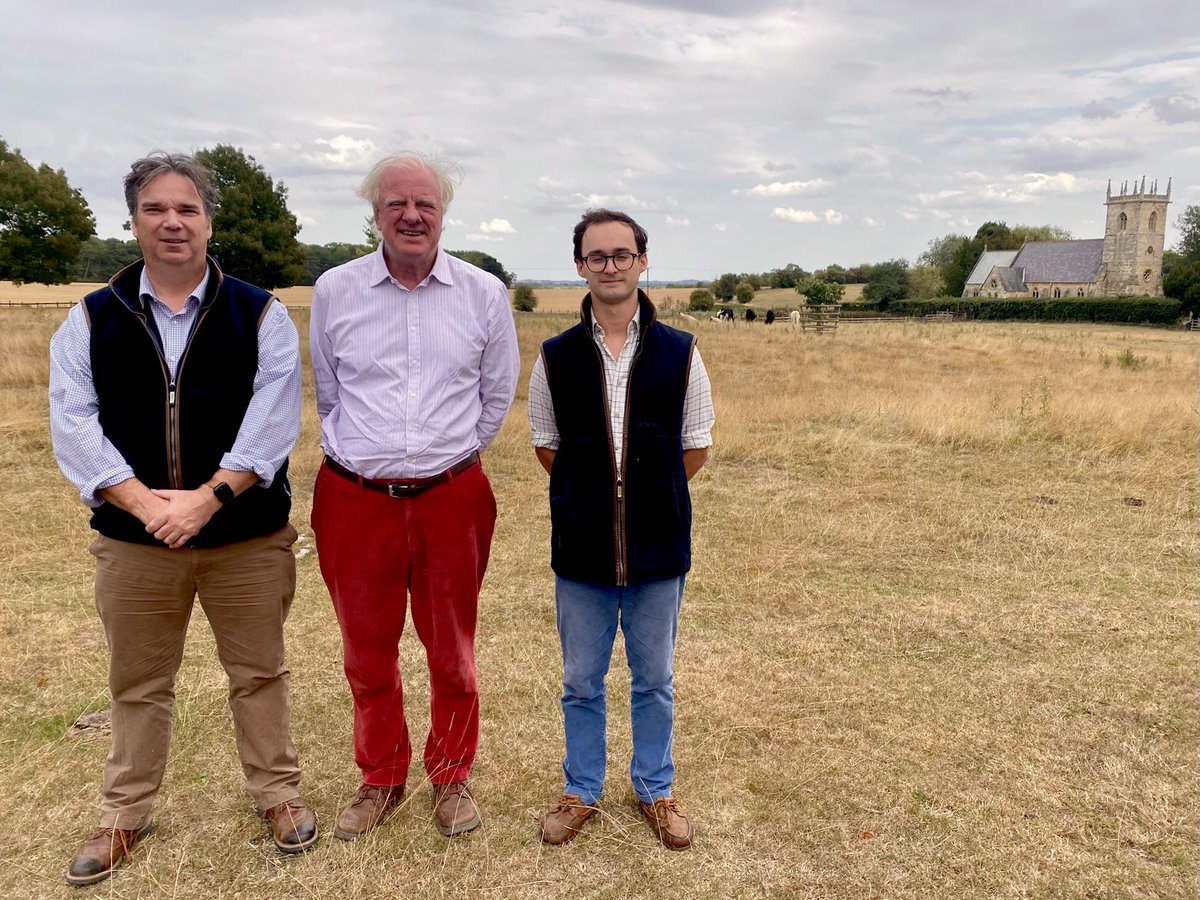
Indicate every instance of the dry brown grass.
{"type": "Point", "coordinates": [927, 649]}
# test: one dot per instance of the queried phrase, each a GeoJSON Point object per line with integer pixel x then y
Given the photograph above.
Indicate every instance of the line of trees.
{"type": "Point", "coordinates": [47, 235]}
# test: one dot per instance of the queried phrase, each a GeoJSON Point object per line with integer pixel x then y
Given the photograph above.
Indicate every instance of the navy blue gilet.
{"type": "Point", "coordinates": [634, 528]}
{"type": "Point", "coordinates": [180, 445]}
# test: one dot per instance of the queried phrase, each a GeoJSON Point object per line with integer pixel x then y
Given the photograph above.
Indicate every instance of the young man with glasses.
{"type": "Point", "coordinates": [621, 417]}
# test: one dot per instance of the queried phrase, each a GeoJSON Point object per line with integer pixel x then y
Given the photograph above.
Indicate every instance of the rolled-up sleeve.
{"type": "Point", "coordinates": [271, 424]}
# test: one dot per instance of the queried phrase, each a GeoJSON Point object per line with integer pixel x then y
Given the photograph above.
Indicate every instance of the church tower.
{"type": "Point", "coordinates": [1134, 232]}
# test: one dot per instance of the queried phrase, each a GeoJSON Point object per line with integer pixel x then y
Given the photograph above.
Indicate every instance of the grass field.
{"type": "Point", "coordinates": [940, 640]}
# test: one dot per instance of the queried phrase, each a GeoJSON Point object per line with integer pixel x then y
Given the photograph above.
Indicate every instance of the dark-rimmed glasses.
{"type": "Point", "coordinates": [622, 262]}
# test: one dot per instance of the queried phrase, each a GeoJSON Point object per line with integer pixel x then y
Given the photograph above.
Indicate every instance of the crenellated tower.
{"type": "Point", "coordinates": [1134, 233]}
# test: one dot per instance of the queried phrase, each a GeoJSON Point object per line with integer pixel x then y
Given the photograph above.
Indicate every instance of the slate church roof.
{"type": "Point", "coordinates": [987, 261]}
{"type": "Point", "coordinates": [1060, 261]}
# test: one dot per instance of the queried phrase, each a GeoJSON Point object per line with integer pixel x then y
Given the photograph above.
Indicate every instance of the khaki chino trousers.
{"type": "Point", "coordinates": [144, 595]}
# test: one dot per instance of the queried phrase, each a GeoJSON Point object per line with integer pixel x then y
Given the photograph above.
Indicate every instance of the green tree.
{"type": "Point", "coordinates": [744, 292]}
{"type": "Point", "coordinates": [1188, 224]}
{"type": "Point", "coordinates": [43, 221]}
{"type": "Point", "coordinates": [320, 258]}
{"type": "Point", "coordinates": [926, 282]}
{"type": "Point", "coordinates": [1181, 281]}
{"type": "Point", "coordinates": [787, 277]}
{"type": "Point", "coordinates": [1028, 234]}
{"type": "Point", "coordinates": [485, 261]}
{"type": "Point", "coordinates": [701, 300]}
{"type": "Point", "coordinates": [254, 232]}
{"type": "Point", "coordinates": [888, 281]}
{"type": "Point", "coordinates": [940, 251]}
{"type": "Point", "coordinates": [371, 233]}
{"type": "Point", "coordinates": [524, 299]}
{"type": "Point", "coordinates": [819, 292]}
{"type": "Point", "coordinates": [100, 258]}
{"type": "Point", "coordinates": [724, 286]}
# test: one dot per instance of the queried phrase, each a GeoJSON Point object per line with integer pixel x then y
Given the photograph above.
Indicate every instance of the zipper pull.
{"type": "Point", "coordinates": [171, 394]}
{"type": "Point", "coordinates": [619, 490]}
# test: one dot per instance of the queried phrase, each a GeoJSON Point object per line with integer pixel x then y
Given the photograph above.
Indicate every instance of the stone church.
{"type": "Point", "coordinates": [1126, 262]}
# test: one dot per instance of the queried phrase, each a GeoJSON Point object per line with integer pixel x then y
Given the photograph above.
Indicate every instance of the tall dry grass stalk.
{"type": "Point", "coordinates": [932, 646]}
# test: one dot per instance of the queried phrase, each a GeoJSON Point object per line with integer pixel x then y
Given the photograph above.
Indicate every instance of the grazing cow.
{"type": "Point", "coordinates": [725, 313]}
{"type": "Point", "coordinates": [751, 315]}
{"type": "Point", "coordinates": [770, 316]}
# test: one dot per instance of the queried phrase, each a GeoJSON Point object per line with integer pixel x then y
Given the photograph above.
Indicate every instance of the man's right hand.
{"type": "Point", "coordinates": [135, 498]}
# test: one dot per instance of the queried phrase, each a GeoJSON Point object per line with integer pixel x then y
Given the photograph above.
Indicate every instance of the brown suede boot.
{"type": "Point", "coordinates": [669, 821]}
{"type": "Point", "coordinates": [455, 810]}
{"type": "Point", "coordinates": [565, 817]}
{"type": "Point", "coordinates": [370, 807]}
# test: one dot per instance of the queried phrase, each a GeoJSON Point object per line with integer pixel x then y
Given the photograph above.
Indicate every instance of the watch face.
{"type": "Point", "coordinates": [224, 492]}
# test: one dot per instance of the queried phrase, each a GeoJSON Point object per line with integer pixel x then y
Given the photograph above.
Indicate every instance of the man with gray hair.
{"type": "Point", "coordinates": [174, 402]}
{"type": "Point", "coordinates": [414, 354]}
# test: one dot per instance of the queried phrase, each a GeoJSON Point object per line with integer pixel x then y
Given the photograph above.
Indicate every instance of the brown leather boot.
{"type": "Point", "coordinates": [104, 851]}
{"type": "Point", "coordinates": [565, 817]}
{"type": "Point", "coordinates": [455, 810]}
{"type": "Point", "coordinates": [370, 807]}
{"type": "Point", "coordinates": [293, 825]}
{"type": "Point", "coordinates": [669, 821]}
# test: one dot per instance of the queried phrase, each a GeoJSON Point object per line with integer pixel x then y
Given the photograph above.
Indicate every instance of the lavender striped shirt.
{"type": "Point", "coordinates": [411, 382]}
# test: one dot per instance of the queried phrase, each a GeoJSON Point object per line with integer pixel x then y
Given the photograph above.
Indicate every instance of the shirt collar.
{"type": "Point", "coordinates": [379, 271]}
{"type": "Point", "coordinates": [146, 288]}
{"type": "Point", "coordinates": [631, 329]}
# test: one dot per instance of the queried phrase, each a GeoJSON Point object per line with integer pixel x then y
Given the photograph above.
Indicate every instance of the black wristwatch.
{"type": "Point", "coordinates": [223, 492]}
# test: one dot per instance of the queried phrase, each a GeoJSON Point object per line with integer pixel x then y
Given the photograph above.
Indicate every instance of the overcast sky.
{"type": "Point", "coordinates": [742, 135]}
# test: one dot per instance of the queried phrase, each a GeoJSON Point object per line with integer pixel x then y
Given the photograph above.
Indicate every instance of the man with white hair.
{"type": "Point", "coordinates": [414, 353]}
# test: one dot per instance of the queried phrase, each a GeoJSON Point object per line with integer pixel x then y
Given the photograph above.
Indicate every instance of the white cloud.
{"type": "Point", "coordinates": [671, 220]}
{"type": "Point", "coordinates": [497, 226]}
{"type": "Point", "coordinates": [794, 215]}
{"type": "Point", "coordinates": [788, 188]}
{"type": "Point", "coordinates": [346, 152]}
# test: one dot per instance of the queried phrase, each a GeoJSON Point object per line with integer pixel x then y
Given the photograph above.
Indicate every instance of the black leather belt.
{"type": "Point", "coordinates": [402, 487]}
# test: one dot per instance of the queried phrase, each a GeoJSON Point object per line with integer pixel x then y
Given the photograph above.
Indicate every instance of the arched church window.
{"type": "Point", "coordinates": [1122, 221]}
{"type": "Point", "coordinates": [1153, 221]}
{"type": "Point", "coordinates": [1147, 275]}
{"type": "Point", "coordinates": [993, 282]}
{"type": "Point", "coordinates": [1149, 251]}
{"type": "Point", "coordinates": [1036, 293]}
{"type": "Point", "coordinates": [1057, 293]}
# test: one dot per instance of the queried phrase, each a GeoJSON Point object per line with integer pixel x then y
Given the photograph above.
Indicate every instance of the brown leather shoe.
{"type": "Point", "coordinates": [669, 821]}
{"type": "Point", "coordinates": [455, 810]}
{"type": "Point", "coordinates": [293, 825]}
{"type": "Point", "coordinates": [565, 817]}
{"type": "Point", "coordinates": [104, 851]}
{"type": "Point", "coordinates": [371, 806]}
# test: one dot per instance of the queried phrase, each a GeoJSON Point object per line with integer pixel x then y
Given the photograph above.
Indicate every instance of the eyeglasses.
{"type": "Point", "coordinates": [623, 261]}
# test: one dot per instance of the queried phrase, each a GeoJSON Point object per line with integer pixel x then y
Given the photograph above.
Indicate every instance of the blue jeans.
{"type": "Point", "coordinates": [587, 625]}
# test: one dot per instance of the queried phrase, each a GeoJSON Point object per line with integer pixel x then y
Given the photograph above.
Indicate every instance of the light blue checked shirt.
{"type": "Point", "coordinates": [269, 428]}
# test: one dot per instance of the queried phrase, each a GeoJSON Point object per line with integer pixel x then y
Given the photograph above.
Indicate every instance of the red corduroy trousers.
{"type": "Point", "coordinates": [376, 552]}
